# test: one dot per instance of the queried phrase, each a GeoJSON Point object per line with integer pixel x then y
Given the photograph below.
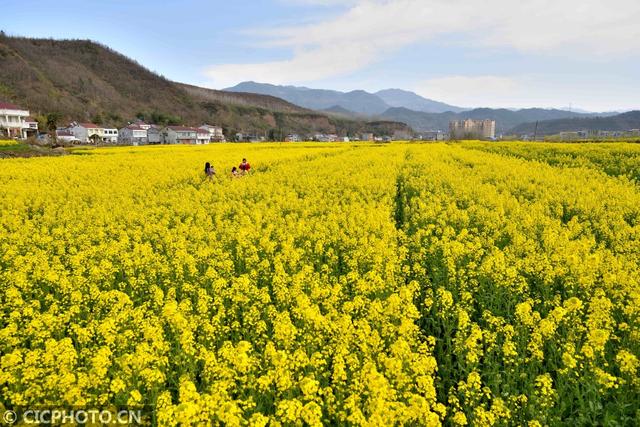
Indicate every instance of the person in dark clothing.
{"type": "Point", "coordinates": [209, 171]}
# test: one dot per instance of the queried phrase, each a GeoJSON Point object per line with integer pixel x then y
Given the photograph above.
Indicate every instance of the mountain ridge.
{"type": "Point", "coordinates": [620, 122]}
{"type": "Point", "coordinates": [415, 102]}
{"type": "Point", "coordinates": [81, 80]}
{"type": "Point", "coordinates": [357, 101]}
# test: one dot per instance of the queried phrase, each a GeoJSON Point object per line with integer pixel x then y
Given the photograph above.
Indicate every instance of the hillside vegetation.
{"type": "Point", "coordinates": [85, 81]}
{"type": "Point", "coordinates": [620, 122]}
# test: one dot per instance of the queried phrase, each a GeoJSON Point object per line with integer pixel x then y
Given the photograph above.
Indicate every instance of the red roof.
{"type": "Point", "coordinates": [30, 119]}
{"type": "Point", "coordinates": [8, 106]}
{"type": "Point", "coordinates": [182, 128]}
{"type": "Point", "coordinates": [134, 127]}
{"type": "Point", "coordinates": [88, 125]}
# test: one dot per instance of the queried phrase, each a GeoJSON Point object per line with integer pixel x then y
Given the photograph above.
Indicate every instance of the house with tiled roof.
{"type": "Point", "coordinates": [184, 135]}
{"type": "Point", "coordinates": [203, 136]}
{"type": "Point", "coordinates": [91, 133]}
{"type": "Point", "coordinates": [215, 133]}
{"type": "Point", "coordinates": [15, 121]}
{"type": "Point", "coordinates": [134, 134]}
{"type": "Point", "coordinates": [85, 132]}
{"type": "Point", "coordinates": [65, 135]}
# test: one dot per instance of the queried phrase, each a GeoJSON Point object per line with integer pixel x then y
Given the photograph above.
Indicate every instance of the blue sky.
{"type": "Point", "coordinates": [497, 53]}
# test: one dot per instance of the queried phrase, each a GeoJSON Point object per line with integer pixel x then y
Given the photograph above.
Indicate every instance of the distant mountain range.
{"type": "Point", "coordinates": [619, 122]}
{"type": "Point", "coordinates": [420, 113]}
{"type": "Point", "coordinates": [415, 102]}
{"type": "Point", "coordinates": [357, 101]}
{"type": "Point", "coordinates": [505, 119]}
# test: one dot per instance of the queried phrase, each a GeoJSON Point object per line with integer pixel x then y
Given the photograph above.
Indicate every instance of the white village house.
{"type": "Point", "coordinates": [184, 135]}
{"type": "Point", "coordinates": [154, 135]}
{"type": "Point", "coordinates": [108, 135]}
{"type": "Point", "coordinates": [92, 133]}
{"type": "Point", "coordinates": [203, 136]}
{"type": "Point", "coordinates": [65, 135]}
{"type": "Point", "coordinates": [134, 134]}
{"type": "Point", "coordinates": [84, 132]}
{"type": "Point", "coordinates": [15, 121]}
{"type": "Point", "coordinates": [142, 124]}
{"type": "Point", "coordinates": [215, 133]}
{"type": "Point", "coordinates": [179, 135]}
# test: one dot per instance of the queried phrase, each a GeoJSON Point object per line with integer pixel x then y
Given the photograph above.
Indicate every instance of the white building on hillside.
{"type": "Point", "coordinates": [15, 121]}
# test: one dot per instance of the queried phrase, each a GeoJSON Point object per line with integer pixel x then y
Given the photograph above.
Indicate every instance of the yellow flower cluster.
{"type": "Point", "coordinates": [530, 279]}
{"type": "Point", "coordinates": [399, 284]}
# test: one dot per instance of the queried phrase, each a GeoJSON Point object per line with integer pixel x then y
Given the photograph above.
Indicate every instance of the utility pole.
{"type": "Point", "coordinates": [535, 132]}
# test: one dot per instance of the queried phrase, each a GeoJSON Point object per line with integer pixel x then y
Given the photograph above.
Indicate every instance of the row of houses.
{"type": "Point", "coordinates": [140, 133]}
{"type": "Point", "coordinates": [15, 122]}
{"type": "Point", "coordinates": [322, 137]}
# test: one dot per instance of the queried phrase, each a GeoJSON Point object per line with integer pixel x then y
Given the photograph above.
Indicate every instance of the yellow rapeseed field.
{"type": "Point", "coordinates": [337, 284]}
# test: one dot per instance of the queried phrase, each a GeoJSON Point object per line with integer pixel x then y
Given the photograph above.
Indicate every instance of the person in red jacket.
{"type": "Point", "coordinates": [244, 167]}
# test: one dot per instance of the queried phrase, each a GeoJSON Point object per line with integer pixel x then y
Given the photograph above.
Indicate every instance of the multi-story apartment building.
{"type": "Point", "coordinates": [472, 129]}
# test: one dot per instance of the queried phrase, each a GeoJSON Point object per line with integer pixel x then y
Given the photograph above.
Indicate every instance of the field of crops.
{"type": "Point", "coordinates": [400, 284]}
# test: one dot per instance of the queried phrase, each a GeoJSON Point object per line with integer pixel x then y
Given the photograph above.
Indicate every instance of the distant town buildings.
{"type": "Point", "coordinates": [434, 135]}
{"type": "Point", "coordinates": [401, 135]}
{"type": "Point", "coordinates": [472, 129]}
{"type": "Point", "coordinates": [15, 121]}
{"type": "Point", "coordinates": [321, 137]}
{"type": "Point", "coordinates": [366, 137]}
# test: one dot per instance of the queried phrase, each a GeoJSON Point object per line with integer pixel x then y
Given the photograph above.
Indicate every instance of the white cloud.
{"type": "Point", "coordinates": [471, 90]}
{"type": "Point", "coordinates": [527, 90]}
{"type": "Point", "coordinates": [368, 30]}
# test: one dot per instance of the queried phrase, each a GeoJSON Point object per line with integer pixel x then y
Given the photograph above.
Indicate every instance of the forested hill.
{"type": "Point", "coordinates": [620, 122]}
{"type": "Point", "coordinates": [85, 81]}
